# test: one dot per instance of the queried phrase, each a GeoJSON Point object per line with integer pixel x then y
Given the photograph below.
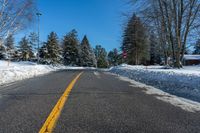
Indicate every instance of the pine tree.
{"type": "Point", "coordinates": [9, 42]}
{"type": "Point", "coordinates": [9, 45]}
{"type": "Point", "coordinates": [70, 46]}
{"type": "Point", "coordinates": [33, 38]}
{"type": "Point", "coordinates": [43, 54]}
{"type": "Point", "coordinates": [135, 42]}
{"type": "Point", "coordinates": [113, 57]}
{"type": "Point", "coordinates": [16, 56]}
{"type": "Point", "coordinates": [101, 56]}
{"type": "Point", "coordinates": [155, 54]}
{"type": "Point", "coordinates": [2, 52]}
{"type": "Point", "coordinates": [87, 55]}
{"type": "Point", "coordinates": [25, 50]}
{"type": "Point", "coordinates": [197, 47]}
{"type": "Point", "coordinates": [53, 49]}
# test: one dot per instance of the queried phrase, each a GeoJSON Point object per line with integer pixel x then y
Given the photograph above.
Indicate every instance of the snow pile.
{"type": "Point", "coordinates": [180, 82]}
{"type": "Point", "coordinates": [22, 70]}
{"type": "Point", "coordinates": [183, 103]}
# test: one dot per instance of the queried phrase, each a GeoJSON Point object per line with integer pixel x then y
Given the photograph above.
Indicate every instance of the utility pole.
{"type": "Point", "coordinates": [38, 15]}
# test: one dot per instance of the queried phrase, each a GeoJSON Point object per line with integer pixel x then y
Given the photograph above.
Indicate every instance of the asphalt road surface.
{"type": "Point", "coordinates": [98, 103]}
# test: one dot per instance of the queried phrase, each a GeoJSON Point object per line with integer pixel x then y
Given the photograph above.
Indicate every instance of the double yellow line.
{"type": "Point", "coordinates": [50, 123]}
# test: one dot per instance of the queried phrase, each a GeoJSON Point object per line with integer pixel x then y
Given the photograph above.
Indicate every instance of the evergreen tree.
{"type": "Point", "coordinates": [113, 57]}
{"type": "Point", "coordinates": [43, 54]}
{"type": "Point", "coordinates": [187, 51]}
{"type": "Point", "coordinates": [25, 50]}
{"type": "Point", "coordinates": [16, 56]}
{"type": "Point", "coordinates": [155, 54]}
{"type": "Point", "coordinates": [87, 55]}
{"type": "Point", "coordinates": [9, 45]}
{"type": "Point", "coordinates": [197, 47]}
{"type": "Point", "coordinates": [33, 38]}
{"type": "Point", "coordinates": [135, 42]}
{"type": "Point", "coordinates": [9, 42]}
{"type": "Point", "coordinates": [71, 49]}
{"type": "Point", "coordinates": [101, 56]}
{"type": "Point", "coordinates": [53, 49]}
{"type": "Point", "coordinates": [2, 52]}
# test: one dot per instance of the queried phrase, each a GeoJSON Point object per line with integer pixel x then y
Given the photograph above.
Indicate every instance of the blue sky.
{"type": "Point", "coordinates": [100, 20]}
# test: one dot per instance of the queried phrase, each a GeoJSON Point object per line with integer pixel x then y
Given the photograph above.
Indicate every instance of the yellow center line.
{"type": "Point", "coordinates": [51, 120]}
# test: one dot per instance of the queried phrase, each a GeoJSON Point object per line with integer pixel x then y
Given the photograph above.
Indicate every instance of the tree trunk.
{"type": "Point", "coordinates": [178, 62]}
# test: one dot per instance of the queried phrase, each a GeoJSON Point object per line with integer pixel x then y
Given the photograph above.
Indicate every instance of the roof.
{"type": "Point", "coordinates": [191, 57]}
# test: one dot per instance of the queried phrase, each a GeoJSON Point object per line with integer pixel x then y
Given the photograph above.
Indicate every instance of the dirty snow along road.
{"type": "Point", "coordinates": [180, 82]}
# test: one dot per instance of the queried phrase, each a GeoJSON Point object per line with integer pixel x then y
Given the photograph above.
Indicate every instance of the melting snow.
{"type": "Point", "coordinates": [185, 104]}
{"type": "Point", "coordinates": [183, 82]}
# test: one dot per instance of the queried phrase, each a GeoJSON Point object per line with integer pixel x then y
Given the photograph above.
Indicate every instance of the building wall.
{"type": "Point", "coordinates": [191, 62]}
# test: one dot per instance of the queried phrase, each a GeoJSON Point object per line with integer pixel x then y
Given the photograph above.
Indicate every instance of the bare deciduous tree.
{"type": "Point", "coordinates": [174, 21]}
{"type": "Point", "coordinates": [15, 15]}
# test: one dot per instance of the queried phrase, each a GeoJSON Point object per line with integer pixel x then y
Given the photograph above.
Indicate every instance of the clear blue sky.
{"type": "Point", "coordinates": [100, 20]}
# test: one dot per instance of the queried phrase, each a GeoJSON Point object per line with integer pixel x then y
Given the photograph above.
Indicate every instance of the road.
{"type": "Point", "coordinates": [98, 103]}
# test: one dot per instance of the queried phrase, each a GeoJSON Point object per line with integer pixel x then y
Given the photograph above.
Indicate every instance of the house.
{"type": "Point", "coordinates": [191, 60]}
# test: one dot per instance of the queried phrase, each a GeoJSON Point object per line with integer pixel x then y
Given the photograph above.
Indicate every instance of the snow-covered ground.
{"type": "Point", "coordinates": [183, 82]}
{"type": "Point", "coordinates": [185, 104]}
{"type": "Point", "coordinates": [22, 70]}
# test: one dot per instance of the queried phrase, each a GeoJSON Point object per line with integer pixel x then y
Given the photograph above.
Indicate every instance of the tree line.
{"type": "Point", "coordinates": [18, 15]}
{"type": "Point", "coordinates": [161, 31]}
{"type": "Point", "coordinates": [68, 51]}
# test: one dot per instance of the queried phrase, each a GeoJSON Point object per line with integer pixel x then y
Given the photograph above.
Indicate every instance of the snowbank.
{"type": "Point", "coordinates": [183, 103]}
{"type": "Point", "coordinates": [180, 82]}
{"type": "Point", "coordinates": [22, 70]}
